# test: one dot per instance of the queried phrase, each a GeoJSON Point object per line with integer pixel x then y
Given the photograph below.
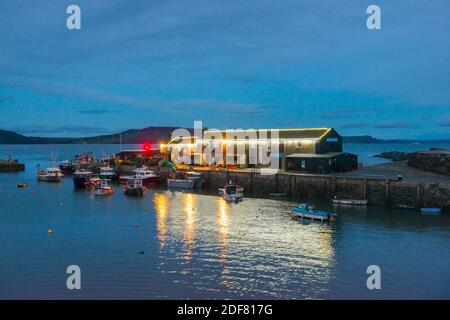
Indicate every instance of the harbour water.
{"type": "Point", "coordinates": [194, 245]}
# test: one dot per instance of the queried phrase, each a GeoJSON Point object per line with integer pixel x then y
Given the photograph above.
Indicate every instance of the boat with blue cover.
{"type": "Point", "coordinates": [307, 211]}
{"type": "Point", "coordinates": [430, 210]}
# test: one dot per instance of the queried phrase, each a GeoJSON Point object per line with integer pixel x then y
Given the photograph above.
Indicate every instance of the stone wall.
{"type": "Point", "coordinates": [308, 186]}
{"type": "Point", "coordinates": [438, 162]}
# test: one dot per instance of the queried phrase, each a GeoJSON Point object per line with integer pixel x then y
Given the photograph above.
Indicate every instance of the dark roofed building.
{"type": "Point", "coordinates": [317, 150]}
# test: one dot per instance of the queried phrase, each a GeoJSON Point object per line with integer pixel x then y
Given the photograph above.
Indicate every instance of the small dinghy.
{"type": "Point", "coordinates": [181, 183]}
{"type": "Point", "coordinates": [351, 202]}
{"type": "Point", "coordinates": [22, 185]}
{"type": "Point", "coordinates": [307, 211]}
{"type": "Point", "coordinates": [232, 192]}
{"type": "Point", "coordinates": [430, 210]}
{"type": "Point", "coordinates": [134, 187]}
{"type": "Point", "coordinates": [104, 188]}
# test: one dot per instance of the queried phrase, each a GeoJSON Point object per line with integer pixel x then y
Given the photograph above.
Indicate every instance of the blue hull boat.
{"type": "Point", "coordinates": [430, 210]}
{"type": "Point", "coordinates": [309, 212]}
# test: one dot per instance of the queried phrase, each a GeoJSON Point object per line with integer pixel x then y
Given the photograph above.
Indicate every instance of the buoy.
{"type": "Point", "coordinates": [136, 225]}
{"type": "Point", "coordinates": [50, 231]}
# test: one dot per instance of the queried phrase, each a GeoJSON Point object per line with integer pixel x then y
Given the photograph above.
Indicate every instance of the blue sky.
{"type": "Point", "coordinates": [231, 64]}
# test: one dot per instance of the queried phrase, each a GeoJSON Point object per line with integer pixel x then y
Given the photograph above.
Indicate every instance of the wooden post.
{"type": "Point", "coordinates": [365, 189]}
{"type": "Point", "coordinates": [333, 187]}
{"type": "Point", "coordinates": [419, 196]}
{"type": "Point", "coordinates": [387, 192]}
{"type": "Point", "coordinates": [276, 182]}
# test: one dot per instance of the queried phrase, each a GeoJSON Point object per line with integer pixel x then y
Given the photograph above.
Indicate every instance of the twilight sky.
{"type": "Point", "coordinates": [230, 63]}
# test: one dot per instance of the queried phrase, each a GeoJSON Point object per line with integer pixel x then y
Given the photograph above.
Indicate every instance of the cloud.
{"type": "Point", "coordinates": [393, 125]}
{"type": "Point", "coordinates": [445, 122]}
{"type": "Point", "coordinates": [4, 99]}
{"type": "Point", "coordinates": [95, 111]}
{"type": "Point", "coordinates": [354, 125]}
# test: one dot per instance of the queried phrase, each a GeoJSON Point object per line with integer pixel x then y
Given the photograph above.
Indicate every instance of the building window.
{"type": "Point", "coordinates": [303, 164]}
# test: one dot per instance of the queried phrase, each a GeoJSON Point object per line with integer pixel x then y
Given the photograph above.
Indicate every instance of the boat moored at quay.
{"type": "Point", "coordinates": [134, 187]}
{"type": "Point", "coordinates": [147, 176]}
{"type": "Point", "coordinates": [107, 173]}
{"type": "Point", "coordinates": [82, 179]}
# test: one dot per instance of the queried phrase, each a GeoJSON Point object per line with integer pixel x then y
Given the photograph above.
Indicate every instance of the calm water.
{"type": "Point", "coordinates": [191, 245]}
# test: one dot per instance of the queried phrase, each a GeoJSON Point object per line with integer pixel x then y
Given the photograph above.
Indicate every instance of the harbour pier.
{"type": "Point", "coordinates": [379, 191]}
{"type": "Point", "coordinates": [11, 165]}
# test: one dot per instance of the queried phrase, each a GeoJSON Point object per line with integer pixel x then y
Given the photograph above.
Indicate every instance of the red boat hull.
{"type": "Point", "coordinates": [145, 181]}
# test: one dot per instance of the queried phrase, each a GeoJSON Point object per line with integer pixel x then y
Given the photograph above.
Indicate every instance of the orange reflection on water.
{"type": "Point", "coordinates": [189, 209]}
{"type": "Point", "coordinates": [162, 211]}
{"type": "Point", "coordinates": [223, 222]}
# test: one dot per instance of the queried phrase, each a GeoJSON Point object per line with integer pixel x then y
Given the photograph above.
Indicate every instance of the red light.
{"type": "Point", "coordinates": [146, 146]}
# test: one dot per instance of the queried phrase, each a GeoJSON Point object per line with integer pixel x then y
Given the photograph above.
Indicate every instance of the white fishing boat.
{"type": "Point", "coordinates": [107, 173]}
{"type": "Point", "coordinates": [187, 183]}
{"type": "Point", "coordinates": [197, 176]}
{"type": "Point", "coordinates": [232, 192]}
{"type": "Point", "coordinates": [147, 176]}
{"type": "Point", "coordinates": [351, 202]}
{"type": "Point", "coordinates": [49, 175]}
{"type": "Point", "coordinates": [134, 187]}
{"type": "Point", "coordinates": [104, 188]}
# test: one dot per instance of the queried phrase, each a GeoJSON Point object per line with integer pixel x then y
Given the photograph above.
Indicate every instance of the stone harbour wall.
{"type": "Point", "coordinates": [309, 186]}
{"type": "Point", "coordinates": [437, 162]}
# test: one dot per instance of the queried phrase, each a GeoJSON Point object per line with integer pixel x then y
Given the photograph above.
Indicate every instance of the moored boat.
{"type": "Point", "coordinates": [147, 176]}
{"type": "Point", "coordinates": [104, 188]}
{"type": "Point", "coordinates": [107, 173]}
{"type": "Point", "coordinates": [232, 192]}
{"type": "Point", "coordinates": [82, 179]}
{"type": "Point", "coordinates": [430, 210]}
{"type": "Point", "coordinates": [134, 187]}
{"type": "Point", "coordinates": [49, 175]}
{"type": "Point", "coordinates": [187, 183]}
{"type": "Point", "coordinates": [352, 202]}
{"type": "Point", "coordinates": [307, 211]}
{"type": "Point", "coordinates": [66, 166]}
{"type": "Point", "coordinates": [197, 176]}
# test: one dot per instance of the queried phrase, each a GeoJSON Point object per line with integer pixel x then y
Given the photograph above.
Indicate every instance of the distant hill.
{"type": "Point", "coordinates": [134, 136]}
{"type": "Point", "coordinates": [370, 139]}
{"type": "Point", "coordinates": [156, 135]}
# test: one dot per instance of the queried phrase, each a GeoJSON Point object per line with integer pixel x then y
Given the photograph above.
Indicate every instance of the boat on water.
{"type": "Point", "coordinates": [147, 176]}
{"type": "Point", "coordinates": [187, 183]}
{"type": "Point", "coordinates": [82, 179]}
{"type": "Point", "coordinates": [197, 176]}
{"type": "Point", "coordinates": [404, 206]}
{"type": "Point", "coordinates": [49, 175]}
{"type": "Point", "coordinates": [104, 188]}
{"type": "Point", "coordinates": [134, 187]}
{"type": "Point", "coordinates": [430, 210]}
{"type": "Point", "coordinates": [66, 166]}
{"type": "Point", "coordinates": [352, 202]}
{"type": "Point", "coordinates": [107, 173]}
{"type": "Point", "coordinates": [232, 192]}
{"type": "Point", "coordinates": [307, 211]}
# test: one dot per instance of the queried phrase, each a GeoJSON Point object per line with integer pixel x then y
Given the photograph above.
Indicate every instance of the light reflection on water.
{"type": "Point", "coordinates": [190, 245]}
{"type": "Point", "coordinates": [244, 248]}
